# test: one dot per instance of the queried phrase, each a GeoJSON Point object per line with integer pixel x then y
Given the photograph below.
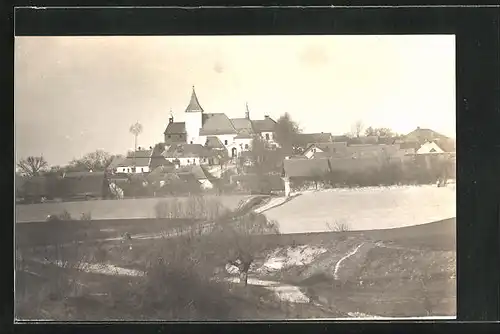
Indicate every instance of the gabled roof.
{"type": "Point", "coordinates": [242, 124]}
{"type": "Point", "coordinates": [194, 104]}
{"type": "Point", "coordinates": [424, 135]}
{"type": "Point", "coordinates": [244, 128]}
{"type": "Point", "coordinates": [81, 183]}
{"type": "Point", "coordinates": [264, 125]}
{"type": "Point", "coordinates": [175, 128]}
{"type": "Point", "coordinates": [140, 154]}
{"type": "Point", "coordinates": [166, 173]}
{"type": "Point", "coordinates": [243, 135]}
{"type": "Point", "coordinates": [197, 171]}
{"type": "Point", "coordinates": [187, 151]}
{"type": "Point", "coordinates": [447, 145]}
{"type": "Point", "coordinates": [305, 167]}
{"type": "Point", "coordinates": [328, 146]}
{"type": "Point", "coordinates": [83, 174]}
{"type": "Point", "coordinates": [306, 138]}
{"type": "Point", "coordinates": [116, 162]}
{"type": "Point", "coordinates": [142, 158]}
{"type": "Point", "coordinates": [217, 124]}
{"type": "Point", "coordinates": [214, 142]}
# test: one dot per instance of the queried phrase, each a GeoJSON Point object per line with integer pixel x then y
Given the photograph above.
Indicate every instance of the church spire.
{"type": "Point", "coordinates": [194, 105]}
{"type": "Point", "coordinates": [247, 112]}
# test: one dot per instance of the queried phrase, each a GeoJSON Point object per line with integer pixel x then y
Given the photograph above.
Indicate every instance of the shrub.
{"type": "Point", "coordinates": [63, 216]}
{"type": "Point", "coordinates": [193, 207]}
{"type": "Point", "coordinates": [339, 226]}
{"type": "Point", "coordinates": [86, 216]}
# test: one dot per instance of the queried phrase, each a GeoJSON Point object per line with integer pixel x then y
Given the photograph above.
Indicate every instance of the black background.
{"type": "Point", "coordinates": [478, 130]}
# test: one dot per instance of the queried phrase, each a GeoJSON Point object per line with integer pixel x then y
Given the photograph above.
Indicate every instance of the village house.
{"type": "Point", "coordinates": [199, 127]}
{"type": "Point", "coordinates": [187, 177]}
{"type": "Point", "coordinates": [135, 162]}
{"type": "Point", "coordinates": [325, 150]}
{"type": "Point", "coordinates": [191, 154]}
{"type": "Point", "coordinates": [86, 185]}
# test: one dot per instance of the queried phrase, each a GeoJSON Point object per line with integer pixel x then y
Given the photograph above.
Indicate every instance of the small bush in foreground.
{"type": "Point", "coordinates": [63, 216]}
{"type": "Point", "coordinates": [339, 226]}
{"type": "Point", "coordinates": [193, 207]}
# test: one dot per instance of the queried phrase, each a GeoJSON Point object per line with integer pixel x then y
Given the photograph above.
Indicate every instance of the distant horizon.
{"type": "Point", "coordinates": [74, 95]}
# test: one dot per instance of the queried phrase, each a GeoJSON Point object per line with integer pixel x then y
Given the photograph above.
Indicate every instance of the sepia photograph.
{"type": "Point", "coordinates": [227, 178]}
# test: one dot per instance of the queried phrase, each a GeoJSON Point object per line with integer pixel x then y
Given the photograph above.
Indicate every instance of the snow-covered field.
{"type": "Point", "coordinates": [365, 208]}
{"type": "Point", "coordinates": [108, 209]}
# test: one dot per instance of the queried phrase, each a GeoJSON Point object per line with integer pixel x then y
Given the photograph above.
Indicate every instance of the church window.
{"type": "Point", "coordinates": [191, 142]}
{"type": "Point", "coordinates": [169, 136]}
{"type": "Point", "coordinates": [246, 146]}
{"type": "Point", "coordinates": [267, 136]}
{"type": "Point", "coordinates": [225, 142]}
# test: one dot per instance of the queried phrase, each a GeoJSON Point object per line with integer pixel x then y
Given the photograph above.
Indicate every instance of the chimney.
{"type": "Point", "coordinates": [247, 113]}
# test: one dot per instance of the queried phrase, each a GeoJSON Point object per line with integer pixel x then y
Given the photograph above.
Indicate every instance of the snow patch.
{"type": "Point", "coordinates": [284, 292]}
{"type": "Point", "coordinates": [290, 257]}
{"type": "Point", "coordinates": [99, 268]}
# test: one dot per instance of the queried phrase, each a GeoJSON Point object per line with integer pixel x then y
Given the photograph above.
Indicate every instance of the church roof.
{"type": "Point", "coordinates": [217, 124]}
{"type": "Point", "coordinates": [175, 128]}
{"type": "Point", "coordinates": [194, 104]}
{"type": "Point", "coordinates": [242, 124]}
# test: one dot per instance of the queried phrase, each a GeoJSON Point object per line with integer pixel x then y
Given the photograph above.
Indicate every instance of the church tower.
{"type": "Point", "coordinates": [194, 119]}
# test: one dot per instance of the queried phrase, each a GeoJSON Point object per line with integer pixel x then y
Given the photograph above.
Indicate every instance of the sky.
{"type": "Point", "coordinates": [74, 95]}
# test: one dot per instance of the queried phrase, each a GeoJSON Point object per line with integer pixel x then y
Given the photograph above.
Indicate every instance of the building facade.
{"type": "Point", "coordinates": [235, 135]}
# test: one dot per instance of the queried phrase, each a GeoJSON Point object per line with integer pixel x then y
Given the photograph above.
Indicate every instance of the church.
{"type": "Point", "coordinates": [217, 130]}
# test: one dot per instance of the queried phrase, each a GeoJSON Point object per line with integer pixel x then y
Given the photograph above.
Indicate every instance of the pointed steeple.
{"type": "Point", "coordinates": [194, 105]}
{"type": "Point", "coordinates": [171, 118]}
{"type": "Point", "coordinates": [247, 113]}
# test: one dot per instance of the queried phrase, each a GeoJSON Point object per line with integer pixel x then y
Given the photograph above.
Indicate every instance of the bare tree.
{"type": "Point", "coordinates": [243, 244]}
{"type": "Point", "coordinates": [358, 127]}
{"type": "Point", "coordinates": [32, 166]}
{"type": "Point", "coordinates": [98, 160]}
{"type": "Point", "coordinates": [136, 130]}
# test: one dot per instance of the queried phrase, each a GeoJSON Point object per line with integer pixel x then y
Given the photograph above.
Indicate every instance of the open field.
{"type": "Point", "coordinates": [401, 272]}
{"type": "Point", "coordinates": [110, 209]}
{"type": "Point", "coordinates": [365, 208]}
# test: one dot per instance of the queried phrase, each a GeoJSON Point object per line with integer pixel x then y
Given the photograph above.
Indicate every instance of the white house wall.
{"type": "Point", "coordinates": [128, 169]}
{"type": "Point", "coordinates": [427, 148]}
